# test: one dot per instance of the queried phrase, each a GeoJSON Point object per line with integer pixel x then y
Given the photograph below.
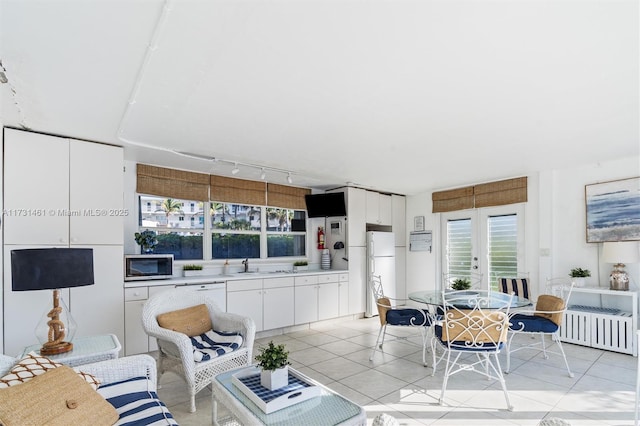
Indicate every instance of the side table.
{"type": "Point", "coordinates": [86, 349]}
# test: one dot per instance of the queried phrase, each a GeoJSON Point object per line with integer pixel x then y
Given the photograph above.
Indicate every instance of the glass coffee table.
{"type": "Point", "coordinates": [329, 408]}
{"type": "Point", "coordinates": [86, 349]}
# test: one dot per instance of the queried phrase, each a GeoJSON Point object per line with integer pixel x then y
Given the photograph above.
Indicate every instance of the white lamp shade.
{"type": "Point", "coordinates": [621, 252]}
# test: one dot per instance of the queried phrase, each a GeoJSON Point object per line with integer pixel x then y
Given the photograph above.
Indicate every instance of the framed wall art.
{"type": "Point", "coordinates": [613, 210]}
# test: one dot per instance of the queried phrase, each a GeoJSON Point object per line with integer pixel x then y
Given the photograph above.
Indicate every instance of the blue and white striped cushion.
{"type": "Point", "coordinates": [214, 343]}
{"type": "Point", "coordinates": [135, 404]}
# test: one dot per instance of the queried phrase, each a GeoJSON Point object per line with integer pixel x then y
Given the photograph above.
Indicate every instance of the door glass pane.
{"type": "Point", "coordinates": [459, 247]}
{"type": "Point", "coordinates": [503, 247]}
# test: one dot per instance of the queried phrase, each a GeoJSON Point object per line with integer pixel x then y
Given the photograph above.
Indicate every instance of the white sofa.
{"type": "Point", "coordinates": [128, 383]}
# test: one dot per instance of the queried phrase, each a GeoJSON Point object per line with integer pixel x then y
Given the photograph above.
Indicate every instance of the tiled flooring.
{"type": "Point", "coordinates": [337, 355]}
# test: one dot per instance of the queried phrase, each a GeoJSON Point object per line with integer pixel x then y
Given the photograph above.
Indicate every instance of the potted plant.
{"type": "Point", "coordinates": [273, 360]}
{"type": "Point", "coordinates": [146, 240]}
{"type": "Point", "coordinates": [301, 265]}
{"type": "Point", "coordinates": [461, 284]}
{"type": "Point", "coordinates": [191, 269]}
{"type": "Point", "coordinates": [578, 276]}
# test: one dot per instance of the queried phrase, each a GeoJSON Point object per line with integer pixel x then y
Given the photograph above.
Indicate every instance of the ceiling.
{"type": "Point", "coordinates": [402, 96]}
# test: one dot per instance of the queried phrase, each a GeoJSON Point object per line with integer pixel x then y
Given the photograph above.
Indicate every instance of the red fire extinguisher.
{"type": "Point", "coordinates": [320, 238]}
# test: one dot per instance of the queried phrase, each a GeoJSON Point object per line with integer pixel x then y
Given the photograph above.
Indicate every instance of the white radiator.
{"type": "Point", "coordinates": [598, 330]}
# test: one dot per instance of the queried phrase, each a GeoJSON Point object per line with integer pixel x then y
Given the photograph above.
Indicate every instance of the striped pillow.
{"type": "Point", "coordinates": [136, 404]}
{"type": "Point", "coordinates": [214, 343]}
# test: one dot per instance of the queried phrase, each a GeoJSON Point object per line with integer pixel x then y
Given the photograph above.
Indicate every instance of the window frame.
{"type": "Point", "coordinates": [208, 230]}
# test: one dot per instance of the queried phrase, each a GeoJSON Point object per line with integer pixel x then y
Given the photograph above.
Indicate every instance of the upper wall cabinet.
{"type": "Point", "coordinates": [60, 191]}
{"type": "Point", "coordinates": [379, 210]}
{"type": "Point", "coordinates": [399, 227]}
{"type": "Point", "coordinates": [356, 216]}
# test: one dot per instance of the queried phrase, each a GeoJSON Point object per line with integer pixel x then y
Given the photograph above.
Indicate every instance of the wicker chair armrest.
{"type": "Point", "coordinates": [116, 370]}
{"type": "Point", "coordinates": [225, 321]}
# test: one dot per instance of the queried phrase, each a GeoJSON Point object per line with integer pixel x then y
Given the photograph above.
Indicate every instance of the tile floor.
{"type": "Point", "coordinates": [337, 353]}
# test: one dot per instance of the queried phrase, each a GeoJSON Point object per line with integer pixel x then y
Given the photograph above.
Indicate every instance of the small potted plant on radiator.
{"type": "Point", "coordinates": [578, 276]}
{"type": "Point", "coordinates": [273, 360]}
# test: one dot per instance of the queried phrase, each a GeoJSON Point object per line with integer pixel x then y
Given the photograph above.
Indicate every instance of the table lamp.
{"type": "Point", "coordinates": [619, 253]}
{"type": "Point", "coordinates": [53, 269]}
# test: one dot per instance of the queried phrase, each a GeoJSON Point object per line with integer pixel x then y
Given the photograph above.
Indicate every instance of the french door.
{"type": "Point", "coordinates": [488, 241]}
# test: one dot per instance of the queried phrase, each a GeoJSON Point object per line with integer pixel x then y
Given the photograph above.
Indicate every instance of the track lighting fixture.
{"type": "Point", "coordinates": [263, 174]}
{"type": "Point", "coordinates": [289, 178]}
{"type": "Point", "coordinates": [235, 169]}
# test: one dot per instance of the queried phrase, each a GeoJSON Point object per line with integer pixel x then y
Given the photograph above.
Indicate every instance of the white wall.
{"type": "Point", "coordinates": [555, 236]}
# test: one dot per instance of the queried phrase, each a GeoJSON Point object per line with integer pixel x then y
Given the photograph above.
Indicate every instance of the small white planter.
{"type": "Point", "coordinates": [578, 281]}
{"type": "Point", "coordinates": [300, 268]}
{"type": "Point", "coordinates": [276, 379]}
{"type": "Point", "coordinates": [193, 273]}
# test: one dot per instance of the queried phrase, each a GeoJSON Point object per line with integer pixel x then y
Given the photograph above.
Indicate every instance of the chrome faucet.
{"type": "Point", "coordinates": [246, 265]}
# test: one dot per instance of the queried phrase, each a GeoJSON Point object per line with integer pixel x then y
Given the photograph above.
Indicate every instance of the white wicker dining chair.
{"type": "Point", "coordinates": [176, 350]}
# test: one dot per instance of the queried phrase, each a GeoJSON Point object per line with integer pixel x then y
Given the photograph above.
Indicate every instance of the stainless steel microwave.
{"type": "Point", "coordinates": [148, 266]}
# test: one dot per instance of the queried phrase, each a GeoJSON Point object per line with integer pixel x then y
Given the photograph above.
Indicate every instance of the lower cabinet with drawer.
{"type": "Point", "coordinates": [317, 297]}
{"type": "Point", "coordinates": [268, 301]}
{"type": "Point", "coordinates": [136, 340]}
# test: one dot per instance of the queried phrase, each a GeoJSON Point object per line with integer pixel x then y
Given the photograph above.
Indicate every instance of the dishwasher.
{"type": "Point", "coordinates": [217, 290]}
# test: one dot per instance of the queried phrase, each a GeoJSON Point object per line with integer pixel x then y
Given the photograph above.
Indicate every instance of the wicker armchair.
{"type": "Point", "coordinates": [176, 349]}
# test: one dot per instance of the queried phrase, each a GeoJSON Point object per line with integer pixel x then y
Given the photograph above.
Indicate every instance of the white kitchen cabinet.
{"type": "Point", "coordinates": [356, 217]}
{"type": "Point", "coordinates": [306, 299]}
{"type": "Point", "coordinates": [61, 191]}
{"type": "Point", "coordinates": [278, 302]}
{"type": "Point", "coordinates": [328, 296]}
{"type": "Point", "coordinates": [379, 208]}
{"type": "Point", "coordinates": [96, 184]}
{"type": "Point", "coordinates": [401, 272]}
{"type": "Point", "coordinates": [398, 213]}
{"type": "Point", "coordinates": [99, 309]}
{"type": "Point", "coordinates": [36, 191]}
{"type": "Point", "coordinates": [41, 175]}
{"type": "Point", "coordinates": [343, 294]}
{"type": "Point", "coordinates": [244, 297]}
{"type": "Point", "coordinates": [357, 279]}
{"type": "Point", "coordinates": [135, 338]}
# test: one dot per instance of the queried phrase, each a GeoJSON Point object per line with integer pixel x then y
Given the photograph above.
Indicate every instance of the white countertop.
{"type": "Point", "coordinates": [204, 279]}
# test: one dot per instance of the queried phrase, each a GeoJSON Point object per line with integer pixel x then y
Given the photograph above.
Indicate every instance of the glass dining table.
{"type": "Point", "coordinates": [494, 299]}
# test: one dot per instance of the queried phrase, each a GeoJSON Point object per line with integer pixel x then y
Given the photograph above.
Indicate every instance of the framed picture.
{"type": "Point", "coordinates": [613, 210]}
{"type": "Point", "coordinates": [418, 223]}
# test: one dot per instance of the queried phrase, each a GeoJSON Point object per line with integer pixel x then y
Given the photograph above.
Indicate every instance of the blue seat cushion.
{"type": "Point", "coordinates": [532, 324]}
{"type": "Point", "coordinates": [463, 345]}
{"type": "Point", "coordinates": [408, 317]}
{"type": "Point", "coordinates": [135, 403]}
{"type": "Point", "coordinates": [213, 344]}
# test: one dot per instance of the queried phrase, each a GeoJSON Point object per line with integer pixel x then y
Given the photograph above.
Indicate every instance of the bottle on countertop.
{"type": "Point", "coordinates": [225, 267]}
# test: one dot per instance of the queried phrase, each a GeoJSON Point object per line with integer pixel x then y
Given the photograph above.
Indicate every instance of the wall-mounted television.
{"type": "Point", "coordinates": [325, 205]}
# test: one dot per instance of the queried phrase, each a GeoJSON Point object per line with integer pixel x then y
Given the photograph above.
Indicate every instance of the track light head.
{"type": "Point", "coordinates": [235, 169]}
{"type": "Point", "coordinates": [263, 174]}
{"type": "Point", "coordinates": [289, 178]}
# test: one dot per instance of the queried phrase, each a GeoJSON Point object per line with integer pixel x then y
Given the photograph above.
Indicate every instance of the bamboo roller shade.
{"type": "Point", "coordinates": [180, 184]}
{"type": "Point", "coordinates": [289, 197]}
{"type": "Point", "coordinates": [172, 183]}
{"type": "Point", "coordinates": [498, 193]}
{"type": "Point", "coordinates": [240, 191]}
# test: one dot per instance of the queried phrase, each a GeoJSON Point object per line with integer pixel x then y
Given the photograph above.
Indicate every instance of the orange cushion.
{"type": "Point", "coordinates": [552, 305]}
{"type": "Point", "coordinates": [192, 321]}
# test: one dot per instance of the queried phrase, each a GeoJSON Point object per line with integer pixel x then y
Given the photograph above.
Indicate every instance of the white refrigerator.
{"type": "Point", "coordinates": [380, 261]}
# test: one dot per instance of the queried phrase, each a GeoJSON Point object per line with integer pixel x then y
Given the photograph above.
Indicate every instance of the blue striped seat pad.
{"type": "Point", "coordinates": [135, 404]}
{"type": "Point", "coordinates": [214, 343]}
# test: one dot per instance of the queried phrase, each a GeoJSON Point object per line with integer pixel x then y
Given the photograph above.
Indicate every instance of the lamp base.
{"type": "Point", "coordinates": [618, 279]}
{"type": "Point", "coordinates": [57, 348]}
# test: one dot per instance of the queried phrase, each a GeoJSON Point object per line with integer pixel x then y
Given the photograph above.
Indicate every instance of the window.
{"type": "Point", "coordinates": [233, 231]}
{"type": "Point", "coordinates": [176, 236]}
{"type": "Point", "coordinates": [281, 241]}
